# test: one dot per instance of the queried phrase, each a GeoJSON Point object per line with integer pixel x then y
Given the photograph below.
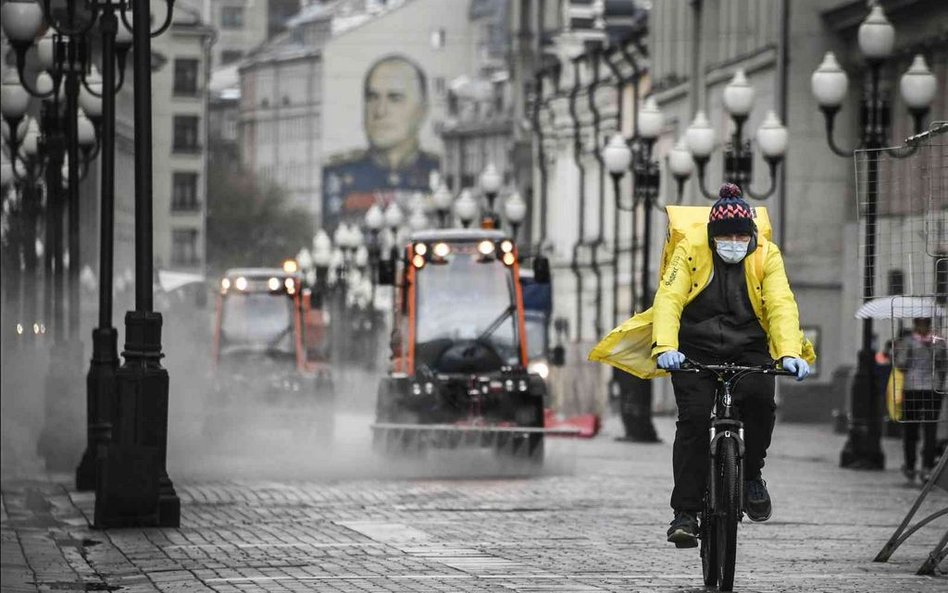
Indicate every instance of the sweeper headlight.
{"type": "Point", "coordinates": [241, 284]}
{"type": "Point", "coordinates": [421, 249]}
{"type": "Point", "coordinates": [225, 285]}
{"type": "Point", "coordinates": [441, 250]}
{"type": "Point", "coordinates": [540, 368]}
{"type": "Point", "coordinates": [509, 259]}
{"type": "Point", "coordinates": [273, 284]}
{"type": "Point", "coordinates": [290, 266]}
{"type": "Point", "coordinates": [418, 261]}
{"type": "Point", "coordinates": [506, 246]}
{"type": "Point", "coordinates": [485, 247]}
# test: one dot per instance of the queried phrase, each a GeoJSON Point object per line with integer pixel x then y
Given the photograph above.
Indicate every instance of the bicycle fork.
{"type": "Point", "coordinates": [729, 429]}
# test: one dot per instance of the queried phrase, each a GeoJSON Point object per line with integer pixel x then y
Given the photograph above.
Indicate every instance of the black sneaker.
{"type": "Point", "coordinates": [925, 475]}
{"type": "Point", "coordinates": [757, 500]}
{"type": "Point", "coordinates": [684, 530]}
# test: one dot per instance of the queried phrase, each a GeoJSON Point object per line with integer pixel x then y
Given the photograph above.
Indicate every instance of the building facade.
{"type": "Point", "coordinates": [179, 120]}
{"type": "Point", "coordinates": [240, 25]}
{"type": "Point", "coordinates": [685, 69]}
{"type": "Point", "coordinates": [280, 106]}
{"type": "Point", "coordinates": [478, 128]}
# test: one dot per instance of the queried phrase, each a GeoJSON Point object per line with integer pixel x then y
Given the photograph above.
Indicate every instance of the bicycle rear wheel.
{"type": "Point", "coordinates": [727, 511]}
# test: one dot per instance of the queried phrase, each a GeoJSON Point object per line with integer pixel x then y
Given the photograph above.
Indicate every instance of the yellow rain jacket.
{"type": "Point", "coordinates": [634, 345]}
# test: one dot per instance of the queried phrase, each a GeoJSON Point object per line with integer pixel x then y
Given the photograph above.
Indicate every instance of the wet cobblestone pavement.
{"type": "Point", "coordinates": [595, 521]}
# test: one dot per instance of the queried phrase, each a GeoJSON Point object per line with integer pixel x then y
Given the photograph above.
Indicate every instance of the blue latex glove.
{"type": "Point", "coordinates": [797, 366]}
{"type": "Point", "coordinates": [670, 360]}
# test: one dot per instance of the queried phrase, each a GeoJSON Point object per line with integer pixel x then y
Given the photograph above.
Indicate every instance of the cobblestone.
{"type": "Point", "coordinates": [596, 526]}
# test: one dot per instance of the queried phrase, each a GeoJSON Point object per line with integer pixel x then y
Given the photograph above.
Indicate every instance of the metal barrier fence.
{"type": "Point", "coordinates": [902, 199]}
{"type": "Point", "coordinates": [902, 196]}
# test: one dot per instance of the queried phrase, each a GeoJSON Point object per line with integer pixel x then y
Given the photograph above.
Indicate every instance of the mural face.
{"type": "Point", "coordinates": [393, 165]}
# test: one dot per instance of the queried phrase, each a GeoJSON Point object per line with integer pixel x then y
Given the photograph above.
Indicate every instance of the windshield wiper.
{"type": "Point", "coordinates": [272, 345]}
{"type": "Point", "coordinates": [496, 323]}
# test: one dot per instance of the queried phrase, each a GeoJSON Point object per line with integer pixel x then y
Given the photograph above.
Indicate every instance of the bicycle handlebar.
{"type": "Point", "coordinates": [692, 366]}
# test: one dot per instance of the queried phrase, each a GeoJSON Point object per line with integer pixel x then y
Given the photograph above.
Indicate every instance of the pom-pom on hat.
{"type": "Point", "coordinates": [731, 215]}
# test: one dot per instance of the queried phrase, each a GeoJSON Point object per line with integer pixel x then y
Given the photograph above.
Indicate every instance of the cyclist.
{"type": "Point", "coordinates": [720, 301]}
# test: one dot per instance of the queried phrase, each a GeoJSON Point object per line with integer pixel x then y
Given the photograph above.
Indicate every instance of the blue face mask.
{"type": "Point", "coordinates": [731, 252]}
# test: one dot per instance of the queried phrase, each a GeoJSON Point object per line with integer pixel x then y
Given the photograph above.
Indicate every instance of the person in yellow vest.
{"type": "Point", "coordinates": [724, 297]}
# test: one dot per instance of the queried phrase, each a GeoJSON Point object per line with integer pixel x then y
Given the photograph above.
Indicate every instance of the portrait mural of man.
{"type": "Point", "coordinates": [395, 106]}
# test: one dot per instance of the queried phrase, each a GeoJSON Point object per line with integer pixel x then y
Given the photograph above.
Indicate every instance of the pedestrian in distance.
{"type": "Point", "coordinates": [923, 358]}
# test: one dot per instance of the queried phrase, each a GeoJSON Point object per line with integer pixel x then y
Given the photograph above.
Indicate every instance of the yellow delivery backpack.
{"type": "Point", "coordinates": [629, 346]}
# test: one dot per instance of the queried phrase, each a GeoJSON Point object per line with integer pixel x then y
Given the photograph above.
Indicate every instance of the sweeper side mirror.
{"type": "Point", "coordinates": [541, 270]}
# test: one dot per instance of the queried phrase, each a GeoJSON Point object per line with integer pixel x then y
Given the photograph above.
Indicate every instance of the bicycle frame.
{"type": "Point", "coordinates": [718, 563]}
{"type": "Point", "coordinates": [724, 423]}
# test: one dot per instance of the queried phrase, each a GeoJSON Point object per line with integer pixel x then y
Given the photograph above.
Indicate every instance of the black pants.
{"type": "Point", "coordinates": [921, 410]}
{"type": "Point", "coordinates": [694, 394]}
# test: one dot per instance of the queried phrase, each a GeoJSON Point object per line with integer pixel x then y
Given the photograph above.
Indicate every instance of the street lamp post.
{"type": "Point", "coordinates": [635, 393]}
{"type": "Point", "coordinates": [442, 200]}
{"type": "Point", "coordinates": [139, 435]}
{"type": "Point", "coordinates": [23, 170]}
{"type": "Point", "coordinates": [490, 181]}
{"type": "Point", "coordinates": [465, 208]}
{"type": "Point", "coordinates": [322, 257]}
{"type": "Point", "coordinates": [918, 86]}
{"type": "Point", "coordinates": [393, 220]}
{"type": "Point", "coordinates": [374, 222]}
{"type": "Point", "coordinates": [515, 210]}
{"type": "Point", "coordinates": [738, 155]}
{"type": "Point", "coordinates": [21, 22]}
{"type": "Point", "coordinates": [97, 99]}
{"type": "Point", "coordinates": [418, 221]}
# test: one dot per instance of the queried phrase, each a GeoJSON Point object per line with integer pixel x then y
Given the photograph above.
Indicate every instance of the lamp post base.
{"type": "Point", "coordinates": [61, 437]}
{"type": "Point", "coordinates": [635, 408]}
{"type": "Point", "coordinates": [134, 489]}
{"type": "Point", "coordinates": [863, 448]}
{"type": "Point", "coordinates": [100, 397]}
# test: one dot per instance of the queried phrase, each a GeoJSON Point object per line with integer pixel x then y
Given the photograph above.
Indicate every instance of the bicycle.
{"type": "Point", "coordinates": [723, 505]}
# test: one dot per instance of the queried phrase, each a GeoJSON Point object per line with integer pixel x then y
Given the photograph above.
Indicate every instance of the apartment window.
{"type": "Point", "coordinates": [184, 247]}
{"type": "Point", "coordinates": [184, 191]}
{"type": "Point", "coordinates": [437, 38]}
{"type": "Point", "coordinates": [229, 56]}
{"type": "Point", "coordinates": [185, 77]}
{"type": "Point", "coordinates": [232, 17]}
{"type": "Point", "coordinates": [185, 137]}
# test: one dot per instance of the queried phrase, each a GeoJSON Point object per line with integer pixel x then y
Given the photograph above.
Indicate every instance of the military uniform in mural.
{"type": "Point", "coordinates": [352, 182]}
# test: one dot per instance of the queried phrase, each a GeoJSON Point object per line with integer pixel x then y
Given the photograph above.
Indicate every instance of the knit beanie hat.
{"type": "Point", "coordinates": [731, 215]}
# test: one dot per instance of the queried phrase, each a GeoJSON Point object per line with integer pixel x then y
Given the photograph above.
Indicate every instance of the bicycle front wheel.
{"type": "Point", "coordinates": [709, 544]}
{"type": "Point", "coordinates": [728, 511]}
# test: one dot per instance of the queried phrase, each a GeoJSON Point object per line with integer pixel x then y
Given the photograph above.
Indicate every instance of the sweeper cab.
{"type": "Point", "coordinates": [270, 335]}
{"type": "Point", "coordinates": [459, 356]}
